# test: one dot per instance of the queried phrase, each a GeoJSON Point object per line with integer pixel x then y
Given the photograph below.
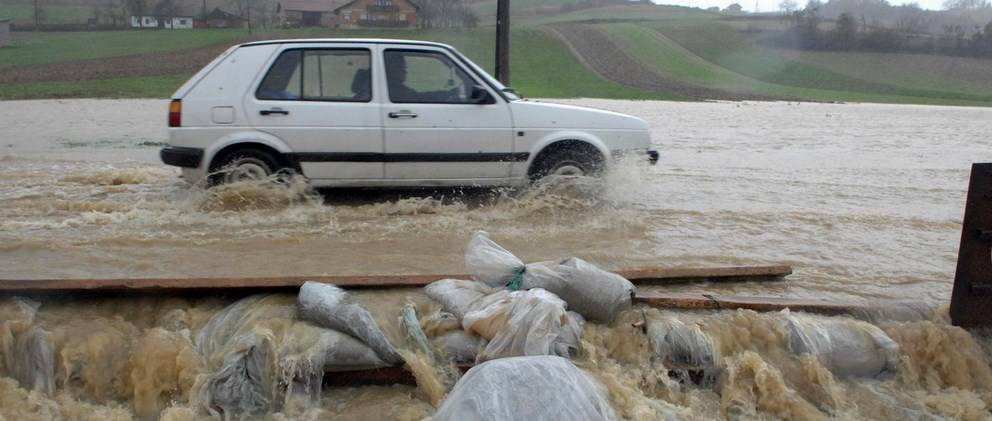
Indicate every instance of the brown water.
{"type": "Point", "coordinates": [865, 201]}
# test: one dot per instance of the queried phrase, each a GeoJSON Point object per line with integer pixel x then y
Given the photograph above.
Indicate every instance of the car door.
{"type": "Point", "coordinates": [319, 99]}
{"type": "Point", "coordinates": [433, 128]}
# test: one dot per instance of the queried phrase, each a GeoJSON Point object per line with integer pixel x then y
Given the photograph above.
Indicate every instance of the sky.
{"type": "Point", "coordinates": [772, 5]}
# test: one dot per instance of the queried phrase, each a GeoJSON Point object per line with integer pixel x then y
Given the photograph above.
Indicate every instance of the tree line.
{"type": "Point", "coordinates": [850, 32]}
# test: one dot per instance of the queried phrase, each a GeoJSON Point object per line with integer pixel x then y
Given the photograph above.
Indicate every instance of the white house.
{"type": "Point", "coordinates": [170, 22]}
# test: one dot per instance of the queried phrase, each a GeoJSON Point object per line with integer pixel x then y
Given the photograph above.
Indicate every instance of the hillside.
{"type": "Point", "coordinates": [618, 51]}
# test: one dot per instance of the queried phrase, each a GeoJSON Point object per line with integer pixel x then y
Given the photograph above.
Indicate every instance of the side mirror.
{"type": "Point", "coordinates": [480, 95]}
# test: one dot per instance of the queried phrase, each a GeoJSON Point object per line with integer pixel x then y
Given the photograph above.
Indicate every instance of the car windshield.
{"type": "Point", "coordinates": [508, 92]}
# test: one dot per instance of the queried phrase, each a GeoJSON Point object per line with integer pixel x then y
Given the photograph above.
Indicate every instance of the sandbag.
{"type": "Point", "coordinates": [327, 306]}
{"type": "Point", "coordinates": [846, 347]}
{"type": "Point", "coordinates": [568, 344]}
{"type": "Point", "coordinates": [34, 360]}
{"type": "Point", "coordinates": [490, 263]}
{"type": "Point", "coordinates": [518, 323]}
{"type": "Point", "coordinates": [595, 293]}
{"type": "Point", "coordinates": [526, 388]}
{"type": "Point", "coordinates": [459, 346]}
{"type": "Point", "coordinates": [679, 345]}
{"type": "Point", "coordinates": [260, 356]}
{"type": "Point", "coordinates": [456, 296]}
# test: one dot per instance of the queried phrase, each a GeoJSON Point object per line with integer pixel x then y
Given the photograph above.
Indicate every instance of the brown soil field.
{"type": "Point", "coordinates": [138, 65]}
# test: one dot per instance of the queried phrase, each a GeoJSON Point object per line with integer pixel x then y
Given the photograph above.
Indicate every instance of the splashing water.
{"type": "Point", "coordinates": [771, 183]}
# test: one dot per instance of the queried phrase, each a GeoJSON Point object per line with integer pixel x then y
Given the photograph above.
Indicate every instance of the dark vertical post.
{"type": "Point", "coordinates": [503, 41]}
{"type": "Point", "coordinates": [971, 298]}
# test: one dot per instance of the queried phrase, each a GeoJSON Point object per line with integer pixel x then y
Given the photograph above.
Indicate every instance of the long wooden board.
{"type": "Point", "coordinates": [700, 301]}
{"type": "Point", "coordinates": [637, 276]}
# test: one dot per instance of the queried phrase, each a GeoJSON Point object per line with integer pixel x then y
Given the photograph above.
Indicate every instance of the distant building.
{"type": "Point", "coordinates": [377, 14]}
{"type": "Point", "coordinates": [4, 32]}
{"type": "Point", "coordinates": [348, 13]}
{"type": "Point", "coordinates": [162, 22]}
{"type": "Point", "coordinates": [221, 19]}
{"type": "Point", "coordinates": [307, 13]}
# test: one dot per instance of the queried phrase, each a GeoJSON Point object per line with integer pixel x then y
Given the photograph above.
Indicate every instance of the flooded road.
{"type": "Point", "coordinates": [865, 201]}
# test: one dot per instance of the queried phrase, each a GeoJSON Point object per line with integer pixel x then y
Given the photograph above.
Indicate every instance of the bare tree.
{"type": "Point", "coordinates": [966, 4]}
{"type": "Point", "coordinates": [788, 6]}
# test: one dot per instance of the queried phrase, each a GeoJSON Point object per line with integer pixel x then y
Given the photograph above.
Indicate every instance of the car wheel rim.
{"type": "Point", "coordinates": [568, 170]}
{"type": "Point", "coordinates": [246, 169]}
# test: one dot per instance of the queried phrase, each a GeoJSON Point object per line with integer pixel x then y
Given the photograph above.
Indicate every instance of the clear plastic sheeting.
{"type": "Point", "coordinates": [328, 306]}
{"type": "Point", "coordinates": [519, 323]}
{"type": "Point", "coordinates": [679, 345]}
{"type": "Point", "coordinates": [846, 347]}
{"type": "Point", "coordinates": [593, 292]}
{"type": "Point", "coordinates": [27, 350]}
{"type": "Point", "coordinates": [260, 356]}
{"type": "Point", "coordinates": [489, 262]}
{"type": "Point", "coordinates": [526, 388]}
{"type": "Point", "coordinates": [459, 346]}
{"type": "Point", "coordinates": [457, 296]}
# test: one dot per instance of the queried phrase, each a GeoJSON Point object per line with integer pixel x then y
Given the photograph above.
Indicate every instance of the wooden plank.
{"type": "Point", "coordinates": [700, 301]}
{"type": "Point", "coordinates": [637, 276]}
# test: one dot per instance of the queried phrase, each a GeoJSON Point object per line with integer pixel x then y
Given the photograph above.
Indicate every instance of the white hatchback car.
{"type": "Point", "coordinates": [368, 112]}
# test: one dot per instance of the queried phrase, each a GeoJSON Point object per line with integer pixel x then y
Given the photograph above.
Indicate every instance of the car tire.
{"type": "Point", "coordinates": [244, 165]}
{"type": "Point", "coordinates": [572, 162]}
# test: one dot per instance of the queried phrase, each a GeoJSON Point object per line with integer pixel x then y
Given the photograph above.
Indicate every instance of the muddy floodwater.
{"type": "Point", "coordinates": [864, 201]}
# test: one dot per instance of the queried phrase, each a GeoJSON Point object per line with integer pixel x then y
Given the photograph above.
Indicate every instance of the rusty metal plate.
{"type": "Point", "coordinates": [971, 299]}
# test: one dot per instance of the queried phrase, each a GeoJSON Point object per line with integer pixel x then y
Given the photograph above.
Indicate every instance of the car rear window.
{"type": "Point", "coordinates": [319, 75]}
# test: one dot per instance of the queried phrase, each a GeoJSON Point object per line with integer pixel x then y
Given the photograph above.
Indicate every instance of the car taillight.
{"type": "Point", "coordinates": [176, 113]}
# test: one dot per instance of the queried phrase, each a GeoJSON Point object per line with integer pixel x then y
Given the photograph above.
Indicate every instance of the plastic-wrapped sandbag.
{"type": "Point", "coordinates": [568, 343]}
{"type": "Point", "coordinates": [518, 323]}
{"type": "Point", "coordinates": [490, 263]}
{"type": "Point", "coordinates": [259, 356]}
{"type": "Point", "coordinates": [526, 388]}
{"type": "Point", "coordinates": [327, 306]}
{"type": "Point", "coordinates": [846, 347]}
{"type": "Point", "coordinates": [34, 360]}
{"type": "Point", "coordinates": [679, 345]}
{"type": "Point", "coordinates": [456, 296]}
{"type": "Point", "coordinates": [459, 346]}
{"type": "Point", "coordinates": [593, 292]}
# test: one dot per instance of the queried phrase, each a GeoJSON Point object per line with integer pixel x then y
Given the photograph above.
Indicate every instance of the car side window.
{"type": "Point", "coordinates": [319, 75]}
{"type": "Point", "coordinates": [426, 77]}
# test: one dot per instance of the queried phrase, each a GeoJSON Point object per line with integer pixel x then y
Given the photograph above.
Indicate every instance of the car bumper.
{"type": "Point", "coordinates": [181, 156]}
{"type": "Point", "coordinates": [652, 156]}
{"type": "Point", "coordinates": [638, 154]}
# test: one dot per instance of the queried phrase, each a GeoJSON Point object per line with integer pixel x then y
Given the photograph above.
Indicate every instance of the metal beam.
{"type": "Point", "coordinates": [971, 297]}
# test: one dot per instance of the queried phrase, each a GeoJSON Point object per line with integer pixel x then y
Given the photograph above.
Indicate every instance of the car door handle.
{"type": "Point", "coordinates": [402, 114]}
{"type": "Point", "coordinates": [274, 111]}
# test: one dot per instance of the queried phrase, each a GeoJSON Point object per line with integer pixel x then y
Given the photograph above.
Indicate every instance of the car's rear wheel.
{"type": "Point", "coordinates": [244, 165]}
{"type": "Point", "coordinates": [572, 162]}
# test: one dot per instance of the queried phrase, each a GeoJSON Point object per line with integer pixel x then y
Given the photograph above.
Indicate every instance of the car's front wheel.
{"type": "Point", "coordinates": [572, 162]}
{"type": "Point", "coordinates": [244, 165]}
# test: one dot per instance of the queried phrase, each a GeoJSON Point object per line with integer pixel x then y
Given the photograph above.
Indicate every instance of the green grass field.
{"type": "Point", "coordinates": [52, 47]}
{"type": "Point", "coordinates": [686, 45]}
{"type": "Point", "coordinates": [541, 67]}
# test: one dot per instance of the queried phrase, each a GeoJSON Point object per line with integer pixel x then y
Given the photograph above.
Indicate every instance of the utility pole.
{"type": "Point", "coordinates": [37, 15]}
{"type": "Point", "coordinates": [503, 41]}
{"type": "Point", "coordinates": [249, 15]}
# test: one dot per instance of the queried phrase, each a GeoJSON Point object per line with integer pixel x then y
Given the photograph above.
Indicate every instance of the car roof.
{"type": "Point", "coordinates": [346, 41]}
